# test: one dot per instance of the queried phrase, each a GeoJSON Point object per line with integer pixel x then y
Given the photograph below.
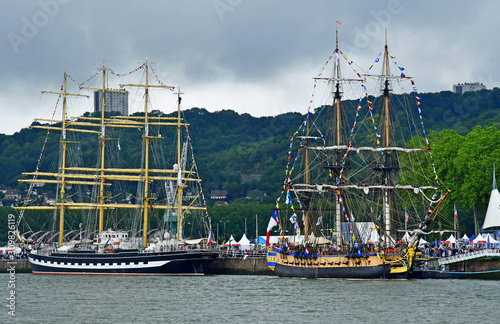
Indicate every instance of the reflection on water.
{"type": "Point", "coordinates": [249, 299]}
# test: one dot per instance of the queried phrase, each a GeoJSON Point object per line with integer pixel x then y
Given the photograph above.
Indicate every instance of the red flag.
{"type": "Point", "coordinates": [338, 22]}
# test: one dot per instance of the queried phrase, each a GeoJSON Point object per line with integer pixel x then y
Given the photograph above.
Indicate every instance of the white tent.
{"type": "Point", "coordinates": [319, 240]}
{"type": "Point", "coordinates": [422, 243]}
{"type": "Point", "coordinates": [450, 240]}
{"type": "Point", "coordinates": [244, 243]}
{"type": "Point", "coordinates": [479, 239]}
{"type": "Point", "coordinates": [231, 242]}
{"type": "Point", "coordinates": [464, 238]}
{"type": "Point", "coordinates": [276, 239]}
{"type": "Point", "coordinates": [374, 237]}
{"type": "Point", "coordinates": [490, 239]}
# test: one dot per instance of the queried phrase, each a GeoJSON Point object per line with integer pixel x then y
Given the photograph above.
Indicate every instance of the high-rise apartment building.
{"type": "Point", "coordinates": [115, 101]}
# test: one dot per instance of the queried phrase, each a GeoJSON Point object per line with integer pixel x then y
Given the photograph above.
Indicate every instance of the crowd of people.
{"type": "Point", "coordinates": [447, 251]}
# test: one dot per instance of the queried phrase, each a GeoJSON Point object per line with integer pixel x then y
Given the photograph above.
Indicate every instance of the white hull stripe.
{"type": "Point", "coordinates": [115, 274]}
{"type": "Point", "coordinates": [100, 266]}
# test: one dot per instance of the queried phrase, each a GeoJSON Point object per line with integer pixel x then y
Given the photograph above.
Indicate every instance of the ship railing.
{"type": "Point", "coordinates": [469, 256]}
{"type": "Point", "coordinates": [243, 254]}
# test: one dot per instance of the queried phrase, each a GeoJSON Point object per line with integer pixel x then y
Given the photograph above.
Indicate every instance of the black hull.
{"type": "Point", "coordinates": [190, 262]}
{"type": "Point", "coordinates": [437, 274]}
{"type": "Point", "coordinates": [369, 272]}
{"type": "Point", "coordinates": [475, 268]}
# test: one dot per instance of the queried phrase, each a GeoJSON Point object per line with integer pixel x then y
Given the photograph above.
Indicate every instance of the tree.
{"type": "Point", "coordinates": [474, 161]}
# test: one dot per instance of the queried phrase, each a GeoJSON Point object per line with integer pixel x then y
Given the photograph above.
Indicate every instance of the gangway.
{"type": "Point", "coordinates": [469, 256]}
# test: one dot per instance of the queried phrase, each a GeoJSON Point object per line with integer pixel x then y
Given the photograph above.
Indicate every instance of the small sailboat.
{"type": "Point", "coordinates": [354, 180]}
{"type": "Point", "coordinates": [128, 208]}
{"type": "Point", "coordinates": [492, 217]}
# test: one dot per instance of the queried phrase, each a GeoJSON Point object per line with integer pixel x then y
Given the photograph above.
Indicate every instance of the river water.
{"type": "Point", "coordinates": [247, 299]}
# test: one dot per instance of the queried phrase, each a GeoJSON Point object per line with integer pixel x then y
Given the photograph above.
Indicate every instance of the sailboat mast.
{"type": "Point", "coordinates": [307, 180]}
{"type": "Point", "coordinates": [337, 89]}
{"type": "Point", "coordinates": [102, 140]}
{"type": "Point", "coordinates": [145, 205]}
{"type": "Point", "coordinates": [147, 138]}
{"type": "Point", "coordinates": [338, 228]}
{"type": "Point", "coordinates": [62, 168]}
{"type": "Point", "coordinates": [180, 185]}
{"type": "Point", "coordinates": [386, 92]}
{"type": "Point", "coordinates": [387, 173]}
{"type": "Point", "coordinates": [103, 150]}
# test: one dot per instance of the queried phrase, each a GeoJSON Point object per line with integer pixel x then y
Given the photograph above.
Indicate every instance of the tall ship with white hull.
{"type": "Point", "coordinates": [354, 177]}
{"type": "Point", "coordinates": [121, 212]}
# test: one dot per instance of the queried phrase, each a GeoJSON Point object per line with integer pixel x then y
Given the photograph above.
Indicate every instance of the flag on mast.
{"type": "Point", "coordinates": [274, 221]}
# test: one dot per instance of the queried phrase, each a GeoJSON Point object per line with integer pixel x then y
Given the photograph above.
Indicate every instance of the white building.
{"type": "Point", "coordinates": [465, 87]}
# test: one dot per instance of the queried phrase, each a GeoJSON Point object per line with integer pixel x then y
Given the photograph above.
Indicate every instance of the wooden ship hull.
{"type": "Point", "coordinates": [341, 266]}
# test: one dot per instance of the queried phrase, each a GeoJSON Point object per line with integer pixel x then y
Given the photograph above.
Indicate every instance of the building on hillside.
{"type": "Point", "coordinates": [466, 87]}
{"type": "Point", "coordinates": [218, 194]}
{"type": "Point", "coordinates": [12, 194]}
{"type": "Point", "coordinates": [4, 188]}
{"type": "Point", "coordinates": [115, 101]}
{"type": "Point", "coordinates": [189, 195]}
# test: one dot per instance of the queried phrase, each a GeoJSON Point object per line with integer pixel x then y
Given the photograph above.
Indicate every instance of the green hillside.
{"type": "Point", "coordinates": [243, 154]}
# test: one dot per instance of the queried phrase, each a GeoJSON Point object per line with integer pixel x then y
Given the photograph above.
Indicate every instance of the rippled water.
{"type": "Point", "coordinates": [248, 299]}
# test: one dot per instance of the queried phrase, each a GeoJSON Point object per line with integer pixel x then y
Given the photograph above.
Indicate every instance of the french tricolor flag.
{"type": "Point", "coordinates": [209, 240]}
{"type": "Point", "coordinates": [274, 221]}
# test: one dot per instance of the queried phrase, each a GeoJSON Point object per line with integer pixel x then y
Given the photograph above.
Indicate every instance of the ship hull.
{"type": "Point", "coordinates": [374, 272]}
{"type": "Point", "coordinates": [334, 266]}
{"type": "Point", "coordinates": [480, 268]}
{"type": "Point", "coordinates": [190, 262]}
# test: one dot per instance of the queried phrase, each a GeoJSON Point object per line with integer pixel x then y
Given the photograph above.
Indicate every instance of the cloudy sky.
{"type": "Point", "coordinates": [251, 56]}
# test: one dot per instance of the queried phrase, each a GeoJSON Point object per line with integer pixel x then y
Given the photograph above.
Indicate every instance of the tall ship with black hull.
{"type": "Point", "coordinates": [121, 211]}
{"type": "Point", "coordinates": [353, 178]}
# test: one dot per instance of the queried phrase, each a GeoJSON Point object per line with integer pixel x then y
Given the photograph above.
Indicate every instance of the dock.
{"type": "Point", "coordinates": [19, 265]}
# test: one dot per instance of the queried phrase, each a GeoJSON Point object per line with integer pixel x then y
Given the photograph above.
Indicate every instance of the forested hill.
{"type": "Point", "coordinates": [461, 112]}
{"type": "Point", "coordinates": [240, 153]}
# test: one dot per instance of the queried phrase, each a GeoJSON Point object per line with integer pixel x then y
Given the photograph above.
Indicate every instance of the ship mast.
{"type": "Point", "coordinates": [102, 142]}
{"type": "Point", "coordinates": [338, 228]}
{"type": "Point", "coordinates": [79, 175]}
{"type": "Point", "coordinates": [307, 181]}
{"type": "Point", "coordinates": [62, 168]}
{"type": "Point", "coordinates": [147, 138]}
{"type": "Point", "coordinates": [388, 157]}
{"type": "Point", "coordinates": [180, 184]}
